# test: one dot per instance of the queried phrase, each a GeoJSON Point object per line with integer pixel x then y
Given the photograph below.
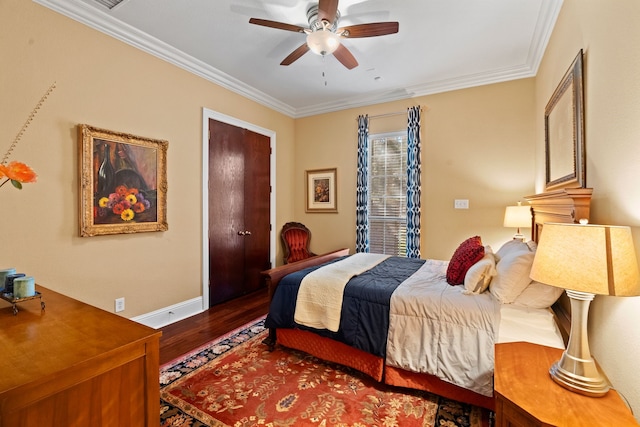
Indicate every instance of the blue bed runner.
{"type": "Point", "coordinates": [364, 322]}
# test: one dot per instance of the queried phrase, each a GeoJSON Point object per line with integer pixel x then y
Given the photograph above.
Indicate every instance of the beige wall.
{"type": "Point", "coordinates": [108, 84]}
{"type": "Point", "coordinates": [483, 144]}
{"type": "Point", "coordinates": [477, 144]}
{"type": "Point", "coordinates": [609, 34]}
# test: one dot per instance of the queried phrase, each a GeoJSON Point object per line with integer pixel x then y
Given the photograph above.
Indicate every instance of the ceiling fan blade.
{"type": "Point", "coordinates": [347, 59]}
{"type": "Point", "coordinates": [327, 10]}
{"type": "Point", "coordinates": [369, 30]}
{"type": "Point", "coordinates": [277, 25]}
{"type": "Point", "coordinates": [295, 55]}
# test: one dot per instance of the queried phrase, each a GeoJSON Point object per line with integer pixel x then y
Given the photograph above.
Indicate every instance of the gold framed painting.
{"type": "Point", "coordinates": [321, 190]}
{"type": "Point", "coordinates": [123, 182]}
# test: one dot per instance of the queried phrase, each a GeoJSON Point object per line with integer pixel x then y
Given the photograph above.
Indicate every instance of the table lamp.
{"type": "Point", "coordinates": [516, 217]}
{"type": "Point", "coordinates": [585, 260]}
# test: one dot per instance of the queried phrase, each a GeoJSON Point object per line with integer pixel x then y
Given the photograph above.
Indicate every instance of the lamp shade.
{"type": "Point", "coordinates": [323, 42]}
{"type": "Point", "coordinates": [517, 216]}
{"type": "Point", "coordinates": [598, 259]}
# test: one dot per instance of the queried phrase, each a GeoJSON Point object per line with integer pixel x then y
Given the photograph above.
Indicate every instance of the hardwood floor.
{"type": "Point", "coordinates": [189, 334]}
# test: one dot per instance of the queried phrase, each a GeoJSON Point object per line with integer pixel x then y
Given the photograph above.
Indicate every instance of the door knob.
{"type": "Point", "coordinates": [241, 233]}
{"type": "Point", "coordinates": [248, 233]}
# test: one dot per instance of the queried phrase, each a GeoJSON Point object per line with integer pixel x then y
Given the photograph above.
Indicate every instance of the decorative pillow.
{"type": "Point", "coordinates": [480, 274]}
{"type": "Point", "coordinates": [468, 253]}
{"type": "Point", "coordinates": [513, 275]}
{"type": "Point", "coordinates": [538, 295]}
{"type": "Point", "coordinates": [513, 245]}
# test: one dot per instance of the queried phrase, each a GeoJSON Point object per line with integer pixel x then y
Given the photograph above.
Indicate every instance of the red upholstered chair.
{"type": "Point", "coordinates": [295, 240]}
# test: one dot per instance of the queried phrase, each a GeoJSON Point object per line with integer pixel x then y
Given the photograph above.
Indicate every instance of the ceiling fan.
{"type": "Point", "coordinates": [324, 35]}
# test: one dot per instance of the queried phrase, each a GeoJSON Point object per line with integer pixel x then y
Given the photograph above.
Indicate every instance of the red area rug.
{"type": "Point", "coordinates": [236, 381]}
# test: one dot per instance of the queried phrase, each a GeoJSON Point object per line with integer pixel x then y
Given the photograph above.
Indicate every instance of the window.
{"type": "Point", "coordinates": [388, 193]}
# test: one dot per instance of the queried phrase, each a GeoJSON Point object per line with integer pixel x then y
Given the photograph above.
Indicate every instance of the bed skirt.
{"type": "Point", "coordinates": [401, 378]}
{"type": "Point", "coordinates": [337, 352]}
{"type": "Point", "coordinates": [332, 351]}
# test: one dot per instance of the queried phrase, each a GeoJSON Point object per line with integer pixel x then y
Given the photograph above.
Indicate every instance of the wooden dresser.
{"type": "Point", "coordinates": [76, 365]}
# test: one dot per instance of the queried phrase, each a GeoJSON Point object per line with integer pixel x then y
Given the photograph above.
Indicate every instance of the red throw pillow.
{"type": "Point", "coordinates": [468, 253]}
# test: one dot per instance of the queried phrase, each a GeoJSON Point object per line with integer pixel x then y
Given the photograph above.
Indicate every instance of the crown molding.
{"type": "Point", "coordinates": [547, 16]}
{"type": "Point", "coordinates": [110, 26]}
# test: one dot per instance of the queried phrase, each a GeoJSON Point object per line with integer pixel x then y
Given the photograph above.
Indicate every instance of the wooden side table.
{"type": "Point", "coordinates": [527, 396]}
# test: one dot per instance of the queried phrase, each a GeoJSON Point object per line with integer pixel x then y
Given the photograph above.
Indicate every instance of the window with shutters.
{"type": "Point", "coordinates": [388, 193]}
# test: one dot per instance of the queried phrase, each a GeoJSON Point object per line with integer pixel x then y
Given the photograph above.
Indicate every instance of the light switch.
{"type": "Point", "coordinates": [461, 204]}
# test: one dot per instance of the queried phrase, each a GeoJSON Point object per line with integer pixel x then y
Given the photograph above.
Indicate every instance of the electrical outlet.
{"type": "Point", "coordinates": [119, 304]}
{"type": "Point", "coordinates": [461, 204]}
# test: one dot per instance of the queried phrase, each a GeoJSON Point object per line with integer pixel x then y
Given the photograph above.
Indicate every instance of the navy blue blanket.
{"type": "Point", "coordinates": [364, 321]}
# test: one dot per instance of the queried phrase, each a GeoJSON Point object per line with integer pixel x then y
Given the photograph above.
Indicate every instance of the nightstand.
{"type": "Point", "coordinates": [527, 396]}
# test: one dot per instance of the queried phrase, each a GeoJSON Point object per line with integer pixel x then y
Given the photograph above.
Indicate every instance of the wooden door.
{"type": "Point", "coordinates": [257, 192]}
{"type": "Point", "coordinates": [239, 208]}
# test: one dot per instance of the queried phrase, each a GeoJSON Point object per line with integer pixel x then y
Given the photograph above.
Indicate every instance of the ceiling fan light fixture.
{"type": "Point", "coordinates": [323, 42]}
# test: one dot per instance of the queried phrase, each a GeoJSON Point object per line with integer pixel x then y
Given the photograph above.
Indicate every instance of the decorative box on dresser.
{"type": "Point", "coordinates": [527, 396]}
{"type": "Point", "coordinates": [76, 365]}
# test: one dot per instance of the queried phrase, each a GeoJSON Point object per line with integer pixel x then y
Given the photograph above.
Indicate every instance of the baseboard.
{"type": "Point", "coordinates": [168, 315]}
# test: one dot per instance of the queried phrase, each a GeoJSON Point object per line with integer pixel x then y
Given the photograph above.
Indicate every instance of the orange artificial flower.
{"type": "Point", "coordinates": [16, 171]}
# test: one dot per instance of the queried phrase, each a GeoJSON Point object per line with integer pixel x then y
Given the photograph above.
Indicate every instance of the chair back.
{"type": "Point", "coordinates": [295, 241]}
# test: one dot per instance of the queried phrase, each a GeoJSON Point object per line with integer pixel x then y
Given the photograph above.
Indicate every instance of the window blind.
{"type": "Point", "coordinates": [388, 193]}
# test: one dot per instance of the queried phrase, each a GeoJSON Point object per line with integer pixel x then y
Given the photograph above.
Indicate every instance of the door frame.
{"type": "Point", "coordinates": [210, 114]}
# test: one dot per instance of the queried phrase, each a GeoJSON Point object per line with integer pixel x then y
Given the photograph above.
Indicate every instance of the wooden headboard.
{"type": "Point", "coordinates": [568, 205]}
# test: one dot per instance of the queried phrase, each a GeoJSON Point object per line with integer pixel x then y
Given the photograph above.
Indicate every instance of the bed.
{"type": "Point", "coordinates": [406, 357]}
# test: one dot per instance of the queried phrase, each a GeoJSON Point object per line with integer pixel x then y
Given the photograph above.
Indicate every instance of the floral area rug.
{"type": "Point", "coordinates": [236, 381]}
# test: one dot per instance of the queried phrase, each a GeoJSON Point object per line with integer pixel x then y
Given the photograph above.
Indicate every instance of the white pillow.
{"type": "Point", "coordinates": [513, 275]}
{"type": "Point", "coordinates": [538, 295]}
{"type": "Point", "coordinates": [513, 245]}
{"type": "Point", "coordinates": [480, 274]}
{"type": "Point", "coordinates": [532, 245]}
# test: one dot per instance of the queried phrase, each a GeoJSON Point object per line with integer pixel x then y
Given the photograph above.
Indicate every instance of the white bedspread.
{"type": "Point", "coordinates": [436, 329]}
{"type": "Point", "coordinates": [534, 325]}
{"type": "Point", "coordinates": [319, 302]}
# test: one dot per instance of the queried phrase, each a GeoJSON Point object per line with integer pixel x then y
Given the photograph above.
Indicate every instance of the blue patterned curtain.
{"type": "Point", "coordinates": [362, 196]}
{"type": "Point", "coordinates": [414, 170]}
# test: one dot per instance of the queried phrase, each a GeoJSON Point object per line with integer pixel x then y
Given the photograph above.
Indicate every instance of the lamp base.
{"type": "Point", "coordinates": [595, 385]}
{"type": "Point", "coordinates": [519, 236]}
{"type": "Point", "coordinates": [576, 370]}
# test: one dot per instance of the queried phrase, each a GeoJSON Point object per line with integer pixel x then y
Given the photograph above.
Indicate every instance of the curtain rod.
{"type": "Point", "coordinates": [395, 113]}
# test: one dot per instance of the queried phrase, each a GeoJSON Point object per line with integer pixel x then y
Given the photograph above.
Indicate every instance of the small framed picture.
{"type": "Point", "coordinates": [123, 182]}
{"type": "Point", "coordinates": [321, 190]}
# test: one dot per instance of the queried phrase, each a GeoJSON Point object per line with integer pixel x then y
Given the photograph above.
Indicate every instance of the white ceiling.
{"type": "Point", "coordinates": [441, 45]}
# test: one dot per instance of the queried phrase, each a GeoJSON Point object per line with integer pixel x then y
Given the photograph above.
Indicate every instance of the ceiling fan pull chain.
{"type": "Point", "coordinates": [324, 65]}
